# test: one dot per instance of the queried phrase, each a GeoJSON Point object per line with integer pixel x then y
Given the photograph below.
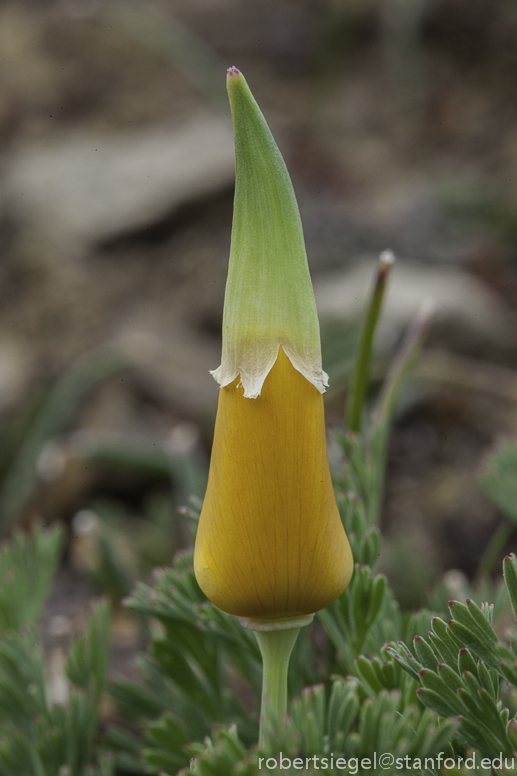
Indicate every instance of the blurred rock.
{"type": "Point", "coordinates": [15, 372]}
{"type": "Point", "coordinates": [175, 363]}
{"type": "Point", "coordinates": [460, 297]}
{"type": "Point", "coordinates": [81, 189]}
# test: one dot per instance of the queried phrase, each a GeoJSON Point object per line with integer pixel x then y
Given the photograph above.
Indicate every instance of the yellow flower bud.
{"type": "Point", "coordinates": [270, 542]}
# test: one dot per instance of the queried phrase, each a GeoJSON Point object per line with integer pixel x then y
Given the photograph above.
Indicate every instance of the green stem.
{"type": "Point", "coordinates": [364, 350]}
{"type": "Point", "coordinates": [276, 647]}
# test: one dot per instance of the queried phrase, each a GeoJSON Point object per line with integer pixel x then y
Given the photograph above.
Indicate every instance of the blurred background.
{"type": "Point", "coordinates": [398, 122]}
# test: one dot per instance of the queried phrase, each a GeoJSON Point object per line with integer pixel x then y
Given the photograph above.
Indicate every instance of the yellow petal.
{"type": "Point", "coordinates": [270, 541]}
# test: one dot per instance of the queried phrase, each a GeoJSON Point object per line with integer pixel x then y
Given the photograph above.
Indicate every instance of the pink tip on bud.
{"type": "Point", "coordinates": [233, 72]}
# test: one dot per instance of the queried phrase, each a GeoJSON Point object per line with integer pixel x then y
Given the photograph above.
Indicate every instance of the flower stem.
{"type": "Point", "coordinates": [364, 350]}
{"type": "Point", "coordinates": [276, 647]}
{"type": "Point", "coordinates": [276, 640]}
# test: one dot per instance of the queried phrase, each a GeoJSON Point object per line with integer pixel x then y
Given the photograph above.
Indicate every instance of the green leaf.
{"type": "Point", "coordinates": [435, 700]}
{"type": "Point", "coordinates": [486, 679]}
{"type": "Point", "coordinates": [465, 661]}
{"type": "Point", "coordinates": [450, 677]}
{"type": "Point", "coordinates": [342, 711]}
{"type": "Point", "coordinates": [405, 662]}
{"type": "Point", "coordinates": [432, 681]}
{"type": "Point", "coordinates": [472, 640]}
{"type": "Point", "coordinates": [425, 653]}
{"type": "Point", "coordinates": [366, 671]}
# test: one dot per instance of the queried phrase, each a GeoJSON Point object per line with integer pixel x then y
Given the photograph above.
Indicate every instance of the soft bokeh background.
{"type": "Point", "coordinates": [398, 122]}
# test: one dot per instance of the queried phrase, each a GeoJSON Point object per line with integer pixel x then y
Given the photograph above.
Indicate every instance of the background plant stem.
{"type": "Point", "coordinates": [364, 349]}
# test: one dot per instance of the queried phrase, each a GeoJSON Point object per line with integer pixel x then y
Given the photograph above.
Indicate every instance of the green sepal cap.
{"type": "Point", "coordinates": [269, 299]}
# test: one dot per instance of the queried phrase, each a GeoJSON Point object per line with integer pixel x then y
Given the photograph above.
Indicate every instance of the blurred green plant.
{"type": "Point", "coordinates": [37, 446]}
{"type": "Point", "coordinates": [27, 568]}
{"type": "Point", "coordinates": [454, 692]}
{"type": "Point", "coordinates": [381, 706]}
{"type": "Point", "coordinates": [356, 689]}
{"type": "Point", "coordinates": [51, 418]}
{"type": "Point", "coordinates": [36, 737]}
{"type": "Point", "coordinates": [498, 479]}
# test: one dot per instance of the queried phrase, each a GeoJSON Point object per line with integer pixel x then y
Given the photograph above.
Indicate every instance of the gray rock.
{"type": "Point", "coordinates": [82, 189]}
{"type": "Point", "coordinates": [459, 297]}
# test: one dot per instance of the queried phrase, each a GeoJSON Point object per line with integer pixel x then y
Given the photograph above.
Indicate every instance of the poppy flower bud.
{"type": "Point", "coordinates": [270, 541]}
